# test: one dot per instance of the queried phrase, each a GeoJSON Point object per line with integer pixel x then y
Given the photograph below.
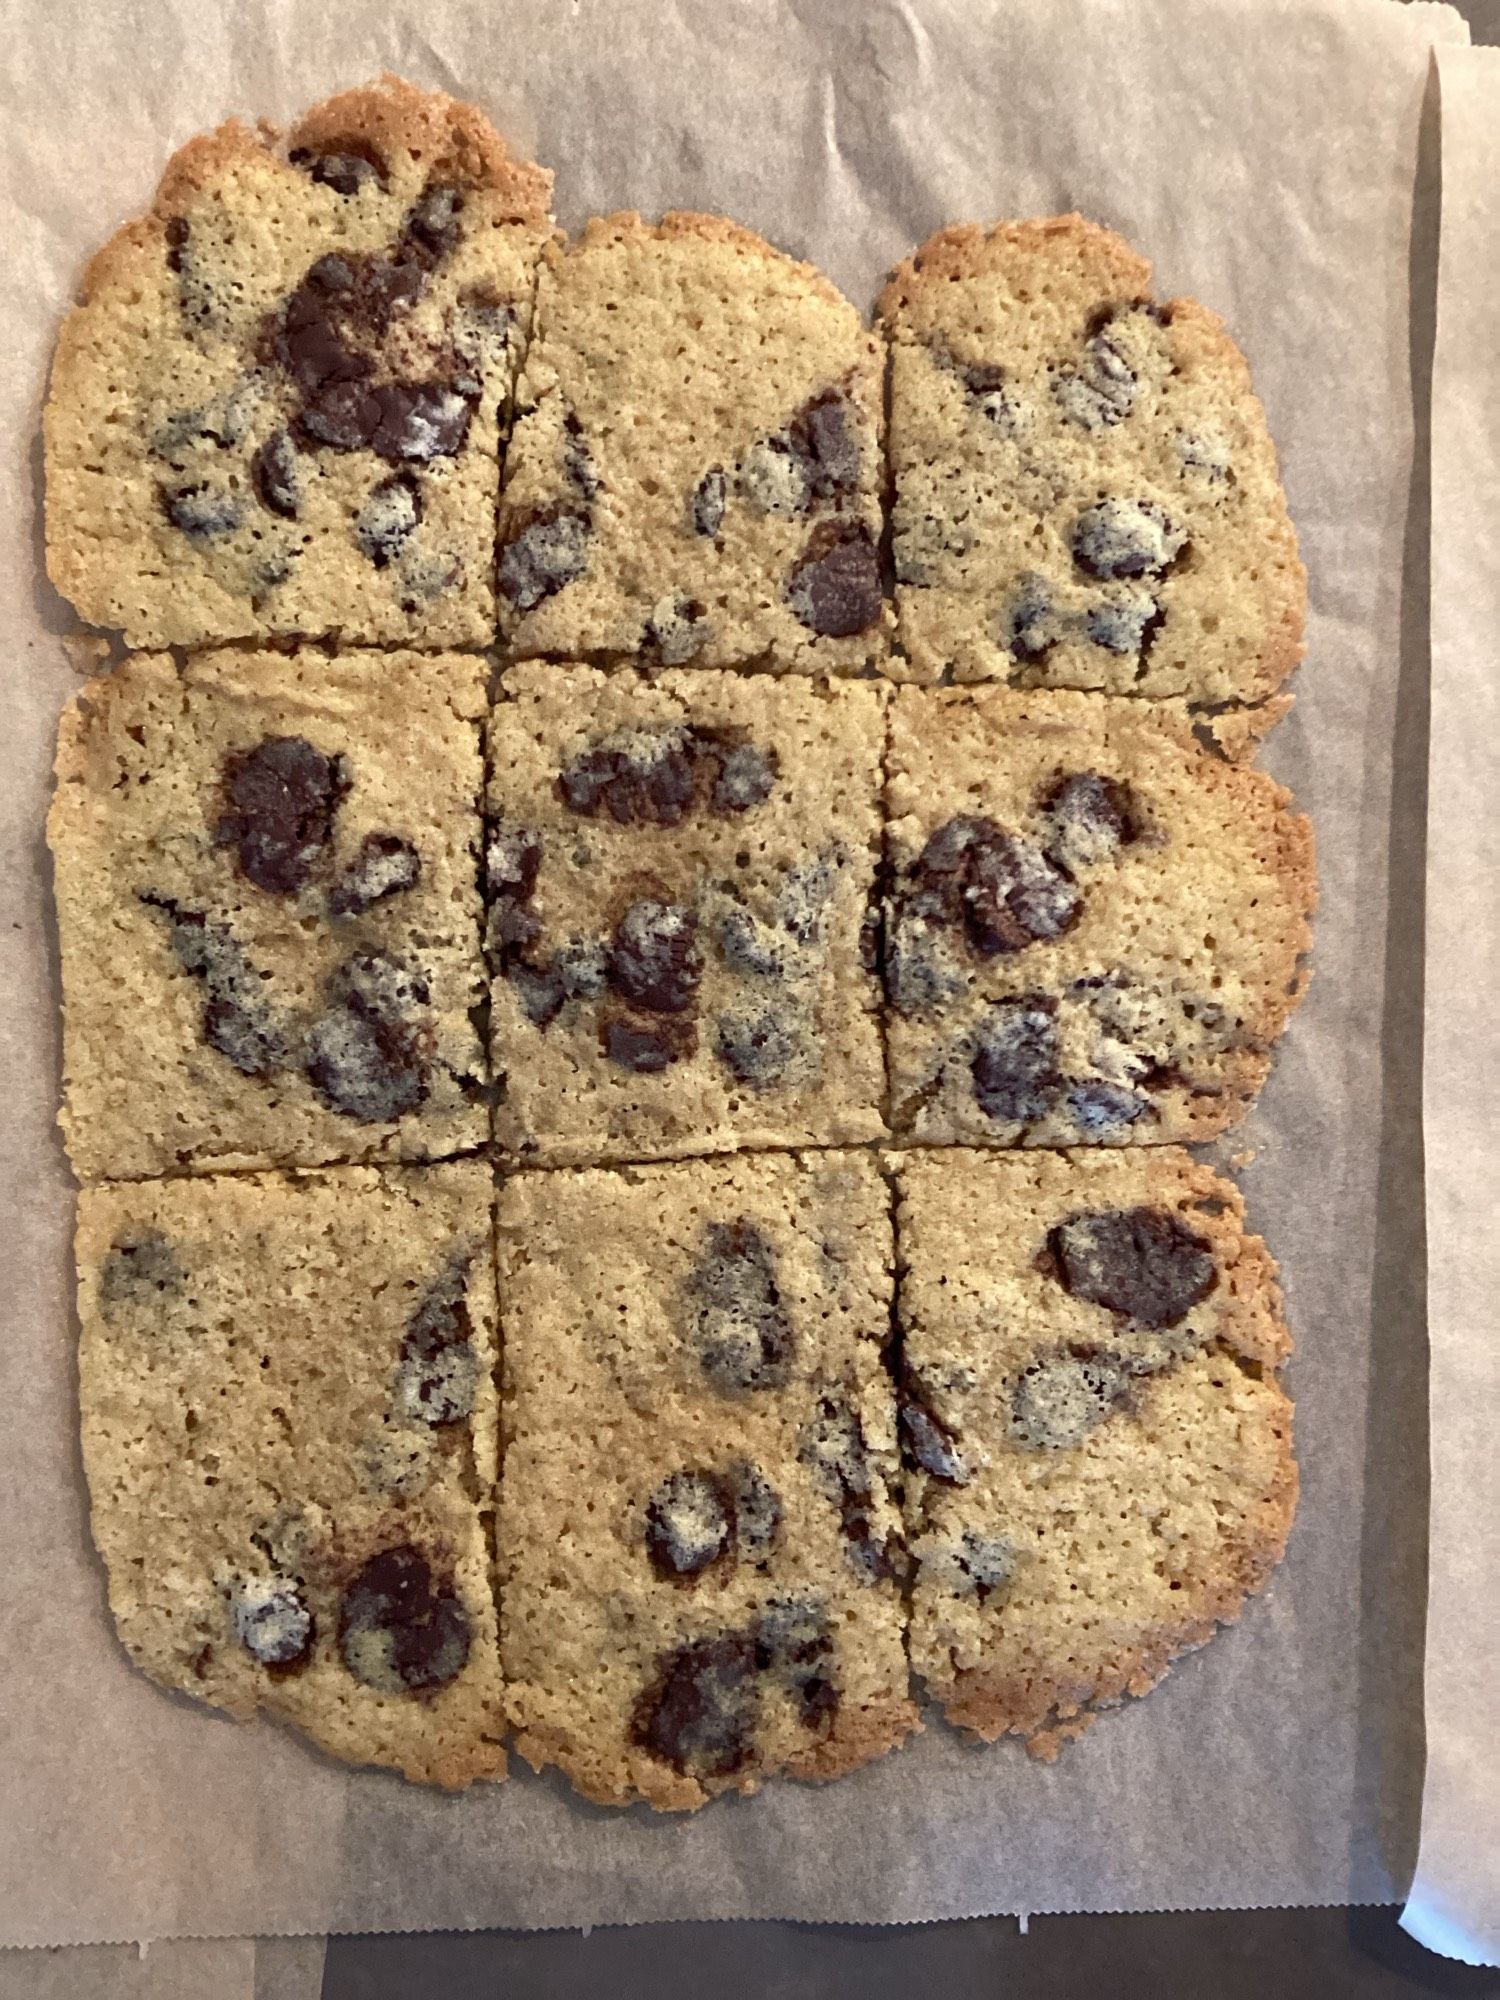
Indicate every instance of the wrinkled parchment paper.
{"type": "Point", "coordinates": [1455, 1900]}
{"type": "Point", "coordinates": [1265, 157]}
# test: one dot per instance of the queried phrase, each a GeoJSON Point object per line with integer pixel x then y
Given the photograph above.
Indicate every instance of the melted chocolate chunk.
{"type": "Point", "coordinates": [139, 1270]}
{"type": "Point", "coordinates": [755, 1510]}
{"type": "Point", "coordinates": [513, 860]}
{"type": "Point", "coordinates": [738, 1323]}
{"type": "Point", "coordinates": [745, 778]}
{"type": "Point", "coordinates": [1060, 1398]}
{"type": "Point", "coordinates": [1123, 628]}
{"type": "Point", "coordinates": [759, 1047]}
{"type": "Point", "coordinates": [1097, 1107]}
{"type": "Point", "coordinates": [1014, 1067]}
{"type": "Point", "coordinates": [1143, 1263]}
{"type": "Point", "coordinates": [834, 588]}
{"type": "Point", "coordinates": [1091, 818]}
{"type": "Point", "coordinates": [385, 865]}
{"type": "Point", "coordinates": [822, 437]}
{"type": "Point", "coordinates": [654, 962]}
{"type": "Point", "coordinates": [689, 1525]}
{"type": "Point", "coordinates": [1030, 631]}
{"type": "Point", "coordinates": [1125, 538]}
{"type": "Point", "coordinates": [367, 1056]}
{"type": "Point", "coordinates": [542, 550]}
{"type": "Point", "coordinates": [793, 1643]}
{"type": "Point", "coordinates": [388, 519]}
{"type": "Point", "coordinates": [698, 1712]}
{"type": "Point", "coordinates": [647, 1048]}
{"type": "Point", "coordinates": [281, 801]}
{"type": "Point", "coordinates": [402, 1629]}
{"type": "Point", "coordinates": [985, 382]}
{"type": "Point", "coordinates": [661, 776]}
{"type": "Point", "coordinates": [345, 165]}
{"type": "Point", "coordinates": [439, 1368]}
{"type": "Point", "coordinates": [706, 509]}
{"type": "Point", "coordinates": [272, 1623]}
{"type": "Point", "coordinates": [431, 230]}
{"type": "Point", "coordinates": [926, 1441]}
{"type": "Point", "coordinates": [236, 1020]}
{"type": "Point", "coordinates": [833, 1448]}
{"type": "Point", "coordinates": [277, 482]}
{"type": "Point", "coordinates": [541, 990]}
{"type": "Point", "coordinates": [980, 1565]}
{"type": "Point", "coordinates": [1002, 891]}
{"type": "Point", "coordinates": [201, 510]}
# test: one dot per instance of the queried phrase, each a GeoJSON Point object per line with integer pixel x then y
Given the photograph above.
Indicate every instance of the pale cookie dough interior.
{"type": "Point", "coordinates": [1085, 492]}
{"type": "Point", "coordinates": [269, 910]}
{"type": "Point", "coordinates": [279, 407]}
{"type": "Point", "coordinates": [696, 469]}
{"type": "Point", "coordinates": [699, 1583]}
{"type": "Point", "coordinates": [1099, 1451]}
{"type": "Point", "coordinates": [288, 1406]}
{"type": "Point", "coordinates": [1096, 929]}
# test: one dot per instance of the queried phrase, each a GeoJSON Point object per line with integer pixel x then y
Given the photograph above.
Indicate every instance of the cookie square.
{"type": "Point", "coordinates": [698, 1547]}
{"type": "Point", "coordinates": [1085, 491]}
{"type": "Point", "coordinates": [680, 869]}
{"type": "Point", "coordinates": [1096, 927]}
{"type": "Point", "coordinates": [1098, 1448]}
{"type": "Point", "coordinates": [695, 473]}
{"type": "Point", "coordinates": [289, 1432]}
{"type": "Point", "coordinates": [279, 407]}
{"type": "Point", "coordinates": [267, 881]}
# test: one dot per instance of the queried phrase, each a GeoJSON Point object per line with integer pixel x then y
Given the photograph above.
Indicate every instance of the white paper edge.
{"type": "Point", "coordinates": [1451, 1908]}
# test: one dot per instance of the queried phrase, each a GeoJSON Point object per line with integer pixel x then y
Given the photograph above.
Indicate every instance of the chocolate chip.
{"type": "Point", "coordinates": [706, 509]}
{"type": "Point", "coordinates": [541, 989]}
{"type": "Point", "coordinates": [274, 472]}
{"type": "Point", "coordinates": [647, 1048]}
{"type": "Point", "coordinates": [1030, 631]}
{"type": "Point", "coordinates": [1014, 1067]}
{"type": "Point", "coordinates": [141, 1269]}
{"type": "Point", "coordinates": [513, 860]}
{"type": "Point", "coordinates": [1143, 1263]}
{"type": "Point", "coordinates": [345, 165]}
{"type": "Point", "coordinates": [1125, 538]}
{"type": "Point", "coordinates": [1060, 1398]}
{"type": "Point", "coordinates": [926, 1441]}
{"type": "Point", "coordinates": [835, 587]}
{"type": "Point", "coordinates": [1091, 818]}
{"type": "Point", "coordinates": [578, 461]}
{"type": "Point", "coordinates": [750, 947]}
{"type": "Point", "coordinates": [677, 629]}
{"type": "Point", "coordinates": [419, 421]}
{"type": "Point", "coordinates": [281, 801]}
{"type": "Point", "coordinates": [793, 1643]}
{"type": "Point", "coordinates": [822, 437]}
{"type": "Point", "coordinates": [654, 962]}
{"type": "Point", "coordinates": [202, 510]}
{"type": "Point", "coordinates": [638, 778]}
{"type": "Point", "coordinates": [975, 1566]}
{"type": "Point", "coordinates": [921, 973]}
{"type": "Point", "coordinates": [367, 1055]}
{"type": "Point", "coordinates": [431, 229]}
{"type": "Point", "coordinates": [755, 1509]}
{"type": "Point", "coordinates": [1002, 890]}
{"type": "Point", "coordinates": [1121, 628]}
{"type": "Point", "coordinates": [542, 550]}
{"type": "Point", "coordinates": [384, 865]}
{"type": "Point", "coordinates": [759, 1046]}
{"type": "Point", "coordinates": [272, 1623]}
{"type": "Point", "coordinates": [738, 1323]}
{"type": "Point", "coordinates": [985, 382]}
{"type": "Point", "coordinates": [698, 1712]}
{"type": "Point", "coordinates": [389, 518]}
{"type": "Point", "coordinates": [439, 1369]}
{"type": "Point", "coordinates": [236, 1020]}
{"type": "Point", "coordinates": [1104, 392]}
{"type": "Point", "coordinates": [1096, 1107]}
{"type": "Point", "coordinates": [832, 1446]}
{"type": "Point", "coordinates": [696, 1518]}
{"type": "Point", "coordinates": [745, 778]}
{"type": "Point", "coordinates": [402, 1629]}
{"type": "Point", "coordinates": [1205, 453]}
{"type": "Point", "coordinates": [689, 1524]}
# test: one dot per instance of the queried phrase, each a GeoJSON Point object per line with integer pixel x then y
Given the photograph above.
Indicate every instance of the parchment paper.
{"type": "Point", "coordinates": [1455, 1901]}
{"type": "Point", "coordinates": [1265, 156]}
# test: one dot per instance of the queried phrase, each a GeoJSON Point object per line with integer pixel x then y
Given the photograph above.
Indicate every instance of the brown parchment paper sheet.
{"type": "Point", "coordinates": [1264, 155]}
{"type": "Point", "coordinates": [1455, 1900]}
{"type": "Point", "coordinates": [171, 1969]}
